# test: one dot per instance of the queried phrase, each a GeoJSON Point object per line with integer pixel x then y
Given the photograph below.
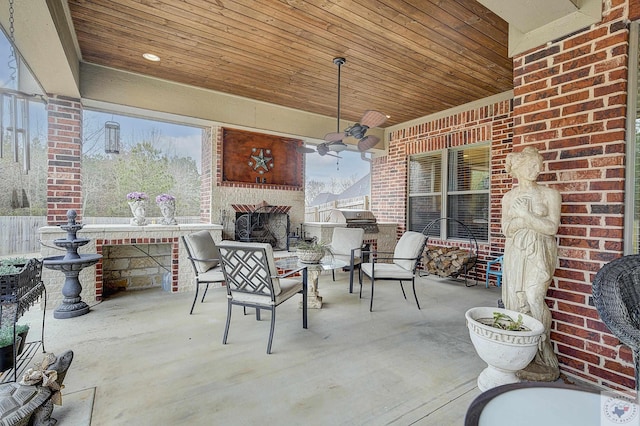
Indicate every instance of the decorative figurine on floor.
{"type": "Point", "coordinates": [30, 402]}
{"type": "Point", "coordinates": [530, 220]}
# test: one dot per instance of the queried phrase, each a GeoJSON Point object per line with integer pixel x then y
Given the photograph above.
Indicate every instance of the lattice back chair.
{"type": "Point", "coordinates": [397, 266]}
{"type": "Point", "coordinates": [346, 244]}
{"type": "Point", "coordinates": [204, 257]}
{"type": "Point", "coordinates": [616, 294]}
{"type": "Point", "coordinates": [252, 281]}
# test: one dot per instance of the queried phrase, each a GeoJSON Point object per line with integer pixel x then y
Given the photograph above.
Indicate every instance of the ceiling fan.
{"type": "Point", "coordinates": [333, 141]}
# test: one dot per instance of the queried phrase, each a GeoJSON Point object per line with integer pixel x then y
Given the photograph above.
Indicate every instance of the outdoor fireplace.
{"type": "Point", "coordinates": [262, 223]}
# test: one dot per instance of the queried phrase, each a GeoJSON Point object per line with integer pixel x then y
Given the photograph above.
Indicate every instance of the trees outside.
{"type": "Point", "coordinates": [333, 185]}
{"type": "Point", "coordinates": [25, 194]}
{"type": "Point", "coordinates": [146, 163]}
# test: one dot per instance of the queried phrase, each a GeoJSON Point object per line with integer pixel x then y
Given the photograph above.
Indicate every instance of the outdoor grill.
{"type": "Point", "coordinates": [355, 219]}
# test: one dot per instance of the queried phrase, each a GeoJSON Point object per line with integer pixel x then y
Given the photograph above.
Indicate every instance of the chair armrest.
{"type": "Point", "coordinates": [203, 260]}
{"type": "Point", "coordinates": [375, 259]}
{"type": "Point", "coordinates": [375, 252]}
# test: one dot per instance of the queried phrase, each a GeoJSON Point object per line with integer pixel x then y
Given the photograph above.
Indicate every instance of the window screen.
{"type": "Point", "coordinates": [425, 190]}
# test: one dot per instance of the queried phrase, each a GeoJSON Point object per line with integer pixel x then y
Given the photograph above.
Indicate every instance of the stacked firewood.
{"type": "Point", "coordinates": [447, 261]}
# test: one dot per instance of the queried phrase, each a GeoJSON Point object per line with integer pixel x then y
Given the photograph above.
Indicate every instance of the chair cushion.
{"type": "Point", "coordinates": [288, 287]}
{"type": "Point", "coordinates": [203, 247]}
{"type": "Point", "coordinates": [211, 276]}
{"type": "Point", "coordinates": [410, 245]}
{"type": "Point", "coordinates": [347, 258]}
{"type": "Point", "coordinates": [345, 239]}
{"type": "Point", "coordinates": [387, 271]}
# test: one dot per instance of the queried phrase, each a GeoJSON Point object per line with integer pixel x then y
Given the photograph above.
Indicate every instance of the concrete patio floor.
{"type": "Point", "coordinates": [141, 359]}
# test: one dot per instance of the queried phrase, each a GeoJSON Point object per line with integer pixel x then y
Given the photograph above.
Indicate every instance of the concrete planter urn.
{"type": "Point", "coordinates": [504, 351]}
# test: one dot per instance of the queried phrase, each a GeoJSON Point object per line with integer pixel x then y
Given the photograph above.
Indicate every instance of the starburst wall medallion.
{"type": "Point", "coordinates": [261, 160]}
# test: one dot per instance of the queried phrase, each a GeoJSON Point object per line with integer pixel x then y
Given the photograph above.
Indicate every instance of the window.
{"type": "Point", "coordinates": [462, 192]}
{"type": "Point", "coordinates": [155, 157]}
{"type": "Point", "coordinates": [632, 178]}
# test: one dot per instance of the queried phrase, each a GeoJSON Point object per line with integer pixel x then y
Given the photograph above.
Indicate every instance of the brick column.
{"type": "Point", "coordinates": [64, 158]}
{"type": "Point", "coordinates": [206, 184]}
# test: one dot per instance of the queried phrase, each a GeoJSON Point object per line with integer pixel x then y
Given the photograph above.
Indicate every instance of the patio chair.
{"type": "Point", "coordinates": [346, 244]}
{"type": "Point", "coordinates": [252, 281]}
{"type": "Point", "coordinates": [204, 257]}
{"type": "Point", "coordinates": [616, 294]}
{"type": "Point", "coordinates": [402, 266]}
{"type": "Point", "coordinates": [496, 272]}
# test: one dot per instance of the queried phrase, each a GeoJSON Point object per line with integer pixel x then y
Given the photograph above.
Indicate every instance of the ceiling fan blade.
{"type": "Point", "coordinates": [367, 142]}
{"type": "Point", "coordinates": [333, 137]}
{"type": "Point", "coordinates": [333, 155]}
{"type": "Point", "coordinates": [372, 118]}
{"type": "Point", "coordinates": [364, 157]}
{"type": "Point", "coordinates": [305, 150]}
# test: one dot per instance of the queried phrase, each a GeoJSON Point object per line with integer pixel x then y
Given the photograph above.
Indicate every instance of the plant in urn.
{"type": "Point", "coordinates": [137, 203]}
{"type": "Point", "coordinates": [167, 204]}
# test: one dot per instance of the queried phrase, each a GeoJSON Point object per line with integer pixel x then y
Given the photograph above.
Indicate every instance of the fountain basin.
{"type": "Point", "coordinates": [62, 263]}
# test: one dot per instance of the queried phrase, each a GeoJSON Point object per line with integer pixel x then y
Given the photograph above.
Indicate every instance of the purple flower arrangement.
{"type": "Point", "coordinates": [136, 196]}
{"type": "Point", "coordinates": [163, 198]}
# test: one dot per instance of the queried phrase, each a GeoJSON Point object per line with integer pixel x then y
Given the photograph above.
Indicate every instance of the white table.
{"type": "Point", "coordinates": [534, 404]}
{"type": "Point", "coordinates": [314, 300]}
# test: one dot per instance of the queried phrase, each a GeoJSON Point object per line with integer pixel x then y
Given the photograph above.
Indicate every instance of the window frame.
{"type": "Point", "coordinates": [630, 240]}
{"type": "Point", "coordinates": [444, 192]}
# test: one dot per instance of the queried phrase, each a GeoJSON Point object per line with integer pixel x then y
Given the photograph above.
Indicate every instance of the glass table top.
{"type": "Point", "coordinates": [326, 263]}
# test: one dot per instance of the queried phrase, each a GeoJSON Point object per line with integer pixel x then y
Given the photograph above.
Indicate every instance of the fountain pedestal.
{"type": "Point", "coordinates": [71, 264]}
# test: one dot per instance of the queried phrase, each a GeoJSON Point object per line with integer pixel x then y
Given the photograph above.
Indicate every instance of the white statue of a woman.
{"type": "Point", "coordinates": [530, 220]}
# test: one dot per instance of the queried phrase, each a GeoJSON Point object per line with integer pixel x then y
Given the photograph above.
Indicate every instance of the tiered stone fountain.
{"type": "Point", "coordinates": [71, 264]}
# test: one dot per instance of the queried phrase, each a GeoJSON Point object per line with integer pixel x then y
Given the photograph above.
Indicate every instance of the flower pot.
{"type": "Point", "coordinates": [6, 356]}
{"type": "Point", "coordinates": [168, 210]}
{"type": "Point", "coordinates": [309, 256]}
{"type": "Point", "coordinates": [504, 351]}
{"type": "Point", "coordinates": [138, 212]}
{"type": "Point", "coordinates": [23, 339]}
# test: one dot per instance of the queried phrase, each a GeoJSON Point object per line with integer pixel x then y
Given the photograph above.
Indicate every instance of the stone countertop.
{"type": "Point", "coordinates": [132, 228]}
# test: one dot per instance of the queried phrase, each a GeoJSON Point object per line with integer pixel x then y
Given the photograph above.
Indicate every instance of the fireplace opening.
{"type": "Point", "coordinates": [264, 224]}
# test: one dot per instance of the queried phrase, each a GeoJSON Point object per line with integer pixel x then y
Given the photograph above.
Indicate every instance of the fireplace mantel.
{"type": "Point", "coordinates": [182, 277]}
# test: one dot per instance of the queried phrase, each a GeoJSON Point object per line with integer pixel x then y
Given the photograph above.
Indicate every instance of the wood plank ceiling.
{"type": "Point", "coordinates": [406, 58]}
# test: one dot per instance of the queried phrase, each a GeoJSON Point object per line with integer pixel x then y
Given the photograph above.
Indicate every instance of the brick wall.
{"type": "Point", "coordinates": [206, 182]}
{"type": "Point", "coordinates": [570, 103]}
{"type": "Point", "coordinates": [490, 122]}
{"type": "Point", "coordinates": [64, 157]}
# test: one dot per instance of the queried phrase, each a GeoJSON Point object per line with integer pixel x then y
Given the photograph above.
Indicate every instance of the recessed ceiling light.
{"type": "Point", "coordinates": [151, 57]}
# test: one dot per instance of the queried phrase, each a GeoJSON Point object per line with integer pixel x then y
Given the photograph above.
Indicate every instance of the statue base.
{"type": "Point", "coordinates": [539, 373]}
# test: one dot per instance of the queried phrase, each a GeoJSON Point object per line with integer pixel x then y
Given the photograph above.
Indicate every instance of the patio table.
{"type": "Point", "coordinates": [314, 300]}
{"type": "Point", "coordinates": [540, 403]}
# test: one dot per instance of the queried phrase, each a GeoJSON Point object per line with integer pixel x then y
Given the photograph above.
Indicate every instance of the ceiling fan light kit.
{"type": "Point", "coordinates": [334, 141]}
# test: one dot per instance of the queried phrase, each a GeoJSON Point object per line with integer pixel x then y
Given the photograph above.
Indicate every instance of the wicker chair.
{"type": "Point", "coordinates": [616, 294]}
